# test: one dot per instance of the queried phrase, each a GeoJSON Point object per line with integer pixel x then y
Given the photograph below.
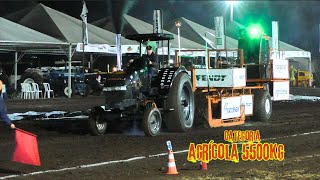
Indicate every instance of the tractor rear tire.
{"type": "Point", "coordinates": [152, 122]}
{"type": "Point", "coordinates": [96, 121]}
{"type": "Point", "coordinates": [181, 100]}
{"type": "Point", "coordinates": [32, 77]}
{"type": "Point", "coordinates": [66, 91]}
{"type": "Point", "coordinates": [262, 106]}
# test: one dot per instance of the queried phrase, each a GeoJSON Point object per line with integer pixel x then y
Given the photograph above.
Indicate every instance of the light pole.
{"type": "Point", "coordinates": [178, 24]}
{"type": "Point", "coordinates": [231, 9]}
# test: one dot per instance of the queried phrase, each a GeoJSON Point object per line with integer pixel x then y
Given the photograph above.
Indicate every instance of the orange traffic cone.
{"type": "Point", "coordinates": [203, 166]}
{"type": "Point", "coordinates": [172, 169]}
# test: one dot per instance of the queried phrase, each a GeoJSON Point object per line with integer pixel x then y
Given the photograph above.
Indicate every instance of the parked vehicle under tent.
{"type": "Point", "coordinates": [22, 40]}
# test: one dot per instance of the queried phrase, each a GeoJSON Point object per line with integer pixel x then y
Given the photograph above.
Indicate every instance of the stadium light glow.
{"type": "Point", "coordinates": [255, 31]}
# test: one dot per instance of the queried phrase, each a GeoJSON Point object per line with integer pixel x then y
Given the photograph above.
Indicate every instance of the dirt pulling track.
{"type": "Point", "coordinates": [67, 152]}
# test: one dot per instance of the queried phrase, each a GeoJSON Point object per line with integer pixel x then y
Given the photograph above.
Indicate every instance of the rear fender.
{"type": "Point", "coordinates": [166, 77]}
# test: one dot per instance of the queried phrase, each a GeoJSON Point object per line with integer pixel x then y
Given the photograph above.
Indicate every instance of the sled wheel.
{"type": "Point", "coordinates": [262, 110]}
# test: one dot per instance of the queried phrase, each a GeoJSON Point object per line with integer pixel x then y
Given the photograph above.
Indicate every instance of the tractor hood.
{"type": "Point", "coordinates": [138, 68]}
{"type": "Point", "coordinates": [121, 78]}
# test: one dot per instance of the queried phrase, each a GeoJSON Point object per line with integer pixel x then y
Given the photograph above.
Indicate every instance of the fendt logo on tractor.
{"type": "Point", "coordinates": [235, 77]}
{"type": "Point", "coordinates": [211, 77]}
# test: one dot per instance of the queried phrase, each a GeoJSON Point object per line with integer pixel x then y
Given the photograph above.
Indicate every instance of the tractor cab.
{"type": "Point", "coordinates": [138, 68]}
{"type": "Point", "coordinates": [144, 39]}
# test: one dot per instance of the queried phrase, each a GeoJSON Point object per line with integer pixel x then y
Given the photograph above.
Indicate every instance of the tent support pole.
{"type": "Point", "coordinates": [69, 71]}
{"type": "Point", "coordinates": [91, 61]}
{"type": "Point", "coordinates": [15, 69]}
{"type": "Point", "coordinates": [167, 64]}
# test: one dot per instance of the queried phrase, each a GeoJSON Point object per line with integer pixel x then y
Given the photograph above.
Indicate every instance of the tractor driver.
{"type": "Point", "coordinates": [152, 61]}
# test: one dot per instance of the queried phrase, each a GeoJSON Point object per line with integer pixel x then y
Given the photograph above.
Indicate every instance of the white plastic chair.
{"type": "Point", "coordinates": [36, 90]}
{"type": "Point", "coordinates": [30, 90]}
{"type": "Point", "coordinates": [23, 90]}
{"type": "Point", "coordinates": [26, 91]}
{"type": "Point", "coordinates": [47, 90]}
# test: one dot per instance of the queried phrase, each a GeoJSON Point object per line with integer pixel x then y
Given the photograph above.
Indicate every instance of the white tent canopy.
{"type": "Point", "coordinates": [200, 34]}
{"type": "Point", "coordinates": [65, 27]}
{"type": "Point", "coordinates": [142, 27]}
{"type": "Point", "coordinates": [17, 38]}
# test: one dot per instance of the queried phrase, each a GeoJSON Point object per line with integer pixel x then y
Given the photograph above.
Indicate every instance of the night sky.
{"type": "Point", "coordinates": [298, 20]}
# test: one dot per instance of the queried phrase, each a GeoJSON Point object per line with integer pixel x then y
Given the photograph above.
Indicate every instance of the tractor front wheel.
{"type": "Point", "coordinates": [152, 122]}
{"type": "Point", "coordinates": [97, 123]}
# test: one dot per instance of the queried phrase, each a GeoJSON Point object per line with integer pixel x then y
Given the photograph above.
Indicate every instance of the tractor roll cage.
{"type": "Point", "coordinates": [141, 38]}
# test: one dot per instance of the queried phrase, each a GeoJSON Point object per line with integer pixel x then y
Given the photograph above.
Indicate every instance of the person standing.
{"type": "Point", "coordinates": [5, 83]}
{"type": "Point", "coordinates": [293, 72]}
{"type": "Point", "coordinates": [3, 110]}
